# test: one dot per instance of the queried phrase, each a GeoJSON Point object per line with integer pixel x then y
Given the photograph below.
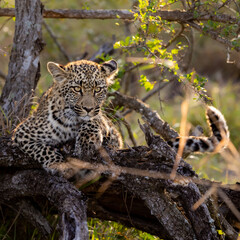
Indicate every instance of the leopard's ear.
{"type": "Point", "coordinates": [57, 71]}
{"type": "Point", "coordinates": [109, 69]}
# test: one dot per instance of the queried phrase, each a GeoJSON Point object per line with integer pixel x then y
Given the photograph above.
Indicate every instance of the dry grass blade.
{"type": "Point", "coordinates": [100, 168]}
{"type": "Point", "coordinates": [183, 132]}
{"type": "Point", "coordinates": [234, 151]}
{"type": "Point", "coordinates": [106, 185]}
{"type": "Point", "coordinates": [207, 194]}
{"type": "Point", "coordinates": [14, 220]}
{"type": "Point", "coordinates": [232, 158]}
{"type": "Point", "coordinates": [117, 170]}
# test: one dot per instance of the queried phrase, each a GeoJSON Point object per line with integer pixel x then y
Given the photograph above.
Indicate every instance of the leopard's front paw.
{"type": "Point", "coordinates": [85, 151]}
{"type": "Point", "coordinates": [87, 146]}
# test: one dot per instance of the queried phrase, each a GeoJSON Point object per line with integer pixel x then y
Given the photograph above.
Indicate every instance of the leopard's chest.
{"type": "Point", "coordinates": [63, 124]}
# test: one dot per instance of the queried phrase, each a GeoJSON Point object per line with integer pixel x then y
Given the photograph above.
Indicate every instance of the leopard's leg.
{"type": "Point", "coordinates": [50, 158]}
{"type": "Point", "coordinates": [46, 155]}
{"type": "Point", "coordinates": [112, 139]}
{"type": "Point", "coordinates": [88, 140]}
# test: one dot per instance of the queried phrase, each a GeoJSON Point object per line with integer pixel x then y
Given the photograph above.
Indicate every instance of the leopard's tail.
{"type": "Point", "coordinates": [219, 135]}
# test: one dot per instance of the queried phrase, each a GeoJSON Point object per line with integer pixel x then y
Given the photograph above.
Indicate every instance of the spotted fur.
{"type": "Point", "coordinates": [219, 135]}
{"type": "Point", "coordinates": [70, 110]}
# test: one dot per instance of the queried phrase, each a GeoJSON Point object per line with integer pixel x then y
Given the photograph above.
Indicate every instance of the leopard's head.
{"type": "Point", "coordinates": [83, 84]}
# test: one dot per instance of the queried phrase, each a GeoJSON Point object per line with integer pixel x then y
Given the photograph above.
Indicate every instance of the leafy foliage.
{"type": "Point", "coordinates": [150, 42]}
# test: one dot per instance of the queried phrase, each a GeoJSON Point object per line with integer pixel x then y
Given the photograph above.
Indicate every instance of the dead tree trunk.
{"type": "Point", "coordinates": [24, 65]}
{"type": "Point", "coordinates": [143, 196]}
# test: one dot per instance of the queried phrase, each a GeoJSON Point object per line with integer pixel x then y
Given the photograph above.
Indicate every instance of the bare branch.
{"type": "Point", "coordinates": [54, 37]}
{"type": "Point", "coordinates": [144, 172]}
{"type": "Point", "coordinates": [214, 35]}
{"type": "Point", "coordinates": [128, 127]}
{"type": "Point", "coordinates": [149, 94]}
{"type": "Point", "coordinates": [106, 48]}
{"type": "Point", "coordinates": [151, 116]}
{"type": "Point", "coordinates": [179, 16]}
{"type": "Point", "coordinates": [174, 37]}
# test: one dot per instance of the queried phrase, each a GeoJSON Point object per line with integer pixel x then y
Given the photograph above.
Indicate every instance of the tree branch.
{"type": "Point", "coordinates": [151, 116]}
{"type": "Point", "coordinates": [54, 37]}
{"type": "Point", "coordinates": [176, 15]}
{"type": "Point", "coordinates": [214, 35]}
{"type": "Point", "coordinates": [144, 174]}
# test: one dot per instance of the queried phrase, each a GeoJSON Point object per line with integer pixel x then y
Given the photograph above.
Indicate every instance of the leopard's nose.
{"type": "Point", "coordinates": [88, 109]}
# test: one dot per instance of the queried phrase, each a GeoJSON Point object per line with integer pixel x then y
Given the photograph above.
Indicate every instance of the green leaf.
{"type": "Point", "coordinates": [146, 83]}
{"type": "Point", "coordinates": [220, 232]}
{"type": "Point", "coordinates": [174, 51]}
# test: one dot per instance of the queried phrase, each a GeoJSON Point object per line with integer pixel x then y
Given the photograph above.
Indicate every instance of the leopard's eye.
{"type": "Point", "coordinates": [97, 89]}
{"type": "Point", "coordinates": [77, 89]}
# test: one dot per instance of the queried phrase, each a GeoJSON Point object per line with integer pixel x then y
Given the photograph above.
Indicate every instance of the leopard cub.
{"type": "Point", "coordinates": [70, 110]}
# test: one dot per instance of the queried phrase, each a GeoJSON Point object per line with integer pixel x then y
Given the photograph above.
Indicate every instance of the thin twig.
{"type": "Point", "coordinates": [14, 221]}
{"type": "Point", "coordinates": [174, 37]}
{"type": "Point", "coordinates": [116, 169]}
{"type": "Point", "coordinates": [207, 194]}
{"type": "Point", "coordinates": [5, 22]}
{"type": "Point", "coordinates": [105, 49]}
{"type": "Point", "coordinates": [237, 5]}
{"type": "Point", "coordinates": [214, 35]}
{"type": "Point", "coordinates": [149, 94]}
{"type": "Point", "coordinates": [224, 4]}
{"type": "Point", "coordinates": [183, 132]}
{"type": "Point", "coordinates": [54, 37]}
{"type": "Point", "coordinates": [133, 67]}
{"type": "Point", "coordinates": [128, 127]}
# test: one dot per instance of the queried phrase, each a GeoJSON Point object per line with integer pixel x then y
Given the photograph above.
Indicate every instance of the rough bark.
{"type": "Point", "coordinates": [68, 200]}
{"type": "Point", "coordinates": [24, 66]}
{"type": "Point", "coordinates": [143, 196]}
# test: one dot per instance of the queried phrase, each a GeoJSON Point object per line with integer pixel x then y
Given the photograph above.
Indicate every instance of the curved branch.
{"type": "Point", "coordinates": [214, 35]}
{"type": "Point", "coordinates": [151, 116]}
